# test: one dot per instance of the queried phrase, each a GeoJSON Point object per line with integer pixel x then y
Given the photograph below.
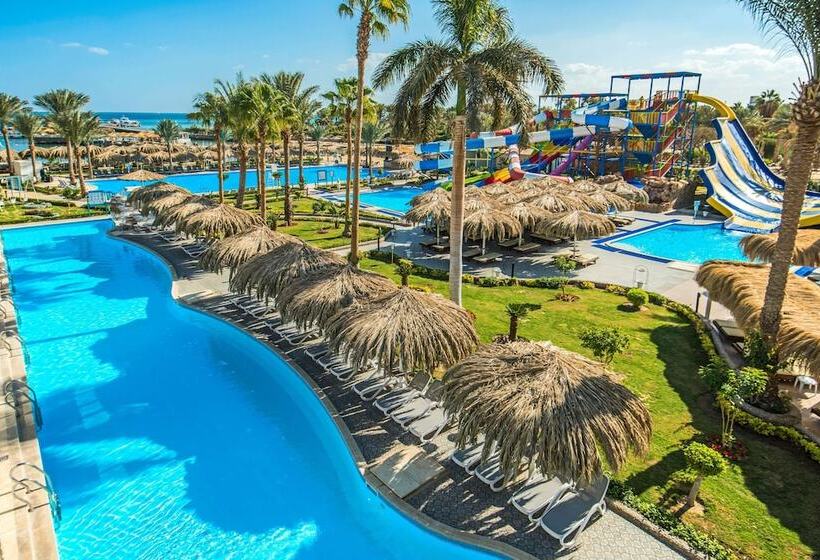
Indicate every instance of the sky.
{"type": "Point", "coordinates": [155, 55]}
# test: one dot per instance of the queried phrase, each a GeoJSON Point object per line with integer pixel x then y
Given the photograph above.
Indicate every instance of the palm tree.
{"type": "Point", "coordinates": [373, 132]}
{"type": "Point", "coordinates": [479, 61]}
{"type": "Point", "coordinates": [169, 131]}
{"type": "Point", "coordinates": [29, 125]}
{"type": "Point", "coordinates": [289, 86]}
{"type": "Point", "coordinates": [10, 107]}
{"type": "Point", "coordinates": [79, 128]}
{"type": "Point", "coordinates": [241, 127]}
{"type": "Point", "coordinates": [263, 103]}
{"type": "Point", "coordinates": [375, 18]}
{"type": "Point", "coordinates": [517, 312]}
{"type": "Point", "coordinates": [797, 23]}
{"type": "Point", "coordinates": [60, 104]}
{"type": "Point", "coordinates": [316, 131]}
{"type": "Point", "coordinates": [341, 106]}
{"type": "Point", "coordinates": [767, 103]}
{"type": "Point", "coordinates": [211, 109]}
{"type": "Point", "coordinates": [307, 108]}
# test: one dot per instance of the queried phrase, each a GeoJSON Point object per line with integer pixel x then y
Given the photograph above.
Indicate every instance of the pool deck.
{"type": "Point", "coordinates": [26, 526]}
{"type": "Point", "coordinates": [420, 480]}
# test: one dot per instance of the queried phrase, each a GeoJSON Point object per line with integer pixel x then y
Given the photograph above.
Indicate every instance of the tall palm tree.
{"type": "Point", "coordinates": [289, 86]}
{"type": "Point", "coordinates": [79, 128]}
{"type": "Point", "coordinates": [797, 23]}
{"type": "Point", "coordinates": [169, 131]}
{"type": "Point", "coordinates": [211, 109]}
{"type": "Point", "coordinates": [375, 18]}
{"type": "Point", "coordinates": [307, 109]}
{"type": "Point", "coordinates": [767, 103]}
{"type": "Point", "coordinates": [479, 60]}
{"type": "Point", "coordinates": [264, 104]}
{"type": "Point", "coordinates": [341, 104]}
{"type": "Point", "coordinates": [60, 105]}
{"type": "Point", "coordinates": [316, 131]}
{"type": "Point", "coordinates": [373, 132]}
{"type": "Point", "coordinates": [241, 128]}
{"type": "Point", "coordinates": [30, 125]}
{"type": "Point", "coordinates": [10, 107]}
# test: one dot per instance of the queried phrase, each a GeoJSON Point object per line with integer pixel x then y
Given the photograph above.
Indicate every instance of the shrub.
{"type": "Point", "coordinates": [715, 373]}
{"type": "Point", "coordinates": [586, 285]}
{"type": "Point", "coordinates": [615, 289]}
{"type": "Point", "coordinates": [703, 461]}
{"type": "Point", "coordinates": [404, 268]}
{"type": "Point", "coordinates": [757, 354]}
{"type": "Point", "coordinates": [637, 297]}
{"type": "Point", "coordinates": [553, 283]}
{"type": "Point", "coordinates": [70, 193]}
{"type": "Point", "coordinates": [604, 342]}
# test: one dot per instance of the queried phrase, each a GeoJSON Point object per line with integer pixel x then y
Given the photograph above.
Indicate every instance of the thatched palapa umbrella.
{"type": "Point", "coordinates": [528, 215]}
{"type": "Point", "coordinates": [155, 191]}
{"type": "Point", "coordinates": [488, 221]}
{"type": "Point", "coordinates": [577, 224]}
{"type": "Point", "coordinates": [611, 200]}
{"type": "Point", "coordinates": [806, 248]}
{"type": "Point", "coordinates": [219, 221]}
{"type": "Point", "coordinates": [142, 176]}
{"type": "Point", "coordinates": [240, 248]}
{"type": "Point", "coordinates": [161, 205]}
{"type": "Point", "coordinates": [269, 273]}
{"type": "Point", "coordinates": [416, 330]}
{"type": "Point", "coordinates": [177, 214]}
{"type": "Point", "coordinates": [316, 297]}
{"type": "Point", "coordinates": [741, 288]}
{"type": "Point", "coordinates": [435, 207]}
{"type": "Point", "coordinates": [547, 406]}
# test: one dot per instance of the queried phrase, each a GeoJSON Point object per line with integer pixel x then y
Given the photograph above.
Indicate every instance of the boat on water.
{"type": "Point", "coordinates": [124, 123]}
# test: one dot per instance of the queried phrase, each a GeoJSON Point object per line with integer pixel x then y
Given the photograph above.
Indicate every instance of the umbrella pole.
{"type": "Point", "coordinates": [438, 233]}
{"type": "Point", "coordinates": [575, 244]}
{"type": "Point", "coordinates": [520, 236]}
{"type": "Point", "coordinates": [483, 242]}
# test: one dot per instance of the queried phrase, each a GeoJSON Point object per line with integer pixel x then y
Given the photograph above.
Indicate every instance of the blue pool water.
{"type": "Point", "coordinates": [689, 243]}
{"type": "Point", "coordinates": [208, 181]}
{"type": "Point", "coordinates": [396, 199]}
{"type": "Point", "coordinates": [170, 434]}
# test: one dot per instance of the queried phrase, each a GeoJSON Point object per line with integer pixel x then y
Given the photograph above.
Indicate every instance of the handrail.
{"type": "Point", "coordinates": [23, 348]}
{"type": "Point", "coordinates": [13, 389]}
{"type": "Point", "coordinates": [24, 482]}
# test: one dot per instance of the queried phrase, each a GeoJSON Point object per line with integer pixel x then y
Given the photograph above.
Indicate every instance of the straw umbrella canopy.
{"type": "Point", "coordinates": [554, 200]}
{"type": "Point", "coordinates": [427, 196]}
{"type": "Point", "coordinates": [155, 191]}
{"type": "Point", "coordinates": [58, 152]}
{"type": "Point", "coordinates": [489, 221]}
{"type": "Point", "coordinates": [611, 200]}
{"type": "Point", "coordinates": [528, 215]}
{"type": "Point", "coordinates": [316, 297]}
{"type": "Point", "coordinates": [806, 248]}
{"type": "Point", "coordinates": [142, 176]}
{"type": "Point", "coordinates": [434, 208]}
{"type": "Point", "coordinates": [158, 206]}
{"type": "Point", "coordinates": [407, 161]}
{"type": "Point", "coordinates": [624, 189]}
{"type": "Point", "coordinates": [219, 221]}
{"type": "Point", "coordinates": [237, 249]}
{"type": "Point", "coordinates": [547, 406]}
{"type": "Point", "coordinates": [741, 288]}
{"type": "Point", "coordinates": [415, 330]}
{"type": "Point", "coordinates": [577, 224]}
{"type": "Point", "coordinates": [269, 273]}
{"type": "Point", "coordinates": [177, 214]}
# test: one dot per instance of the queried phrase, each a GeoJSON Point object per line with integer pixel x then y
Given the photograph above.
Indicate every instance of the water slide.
{"type": "Point", "coordinates": [739, 183]}
{"type": "Point", "coordinates": [586, 119]}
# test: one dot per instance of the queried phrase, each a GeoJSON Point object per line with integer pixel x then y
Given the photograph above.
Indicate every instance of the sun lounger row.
{"type": "Point", "coordinates": [561, 510]}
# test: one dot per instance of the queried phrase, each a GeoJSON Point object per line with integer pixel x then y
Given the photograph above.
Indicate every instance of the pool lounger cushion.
{"type": "Point", "coordinates": [403, 394]}
{"type": "Point", "coordinates": [491, 474]}
{"type": "Point", "coordinates": [527, 247]}
{"type": "Point", "coordinates": [568, 518]}
{"type": "Point", "coordinates": [488, 257]}
{"type": "Point", "coordinates": [538, 495]}
{"type": "Point", "coordinates": [508, 243]}
{"type": "Point", "coordinates": [470, 252]}
{"type": "Point", "coordinates": [411, 410]}
{"type": "Point", "coordinates": [469, 458]}
{"type": "Point", "coordinates": [430, 425]}
{"type": "Point", "coordinates": [371, 387]}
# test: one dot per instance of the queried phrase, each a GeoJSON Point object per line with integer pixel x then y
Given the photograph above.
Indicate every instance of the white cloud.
{"type": "Point", "coordinates": [162, 48]}
{"type": "Point", "coordinates": [265, 56]}
{"type": "Point", "coordinates": [583, 77]}
{"type": "Point", "coordinates": [373, 60]}
{"type": "Point", "coordinates": [238, 67]}
{"type": "Point", "coordinates": [93, 50]}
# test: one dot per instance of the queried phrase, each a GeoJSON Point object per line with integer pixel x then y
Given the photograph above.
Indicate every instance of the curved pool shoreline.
{"type": "Point", "coordinates": [382, 491]}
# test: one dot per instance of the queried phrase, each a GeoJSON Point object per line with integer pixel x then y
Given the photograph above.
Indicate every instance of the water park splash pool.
{"type": "Point", "coordinates": [207, 182]}
{"type": "Point", "coordinates": [682, 242]}
{"type": "Point", "coordinates": [395, 199]}
{"type": "Point", "coordinates": [171, 434]}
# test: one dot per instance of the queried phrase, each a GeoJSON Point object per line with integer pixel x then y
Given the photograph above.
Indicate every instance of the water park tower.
{"type": "Point", "coordinates": [661, 138]}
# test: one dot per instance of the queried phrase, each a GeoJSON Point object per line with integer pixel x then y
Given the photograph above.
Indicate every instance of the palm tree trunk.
{"type": "Point", "coordinates": [243, 169]}
{"type": "Point", "coordinates": [513, 334]}
{"type": "Point", "coordinates": [263, 195]}
{"type": "Point", "coordinates": [90, 161]}
{"type": "Point", "coordinates": [301, 162]}
{"type": "Point", "coordinates": [220, 167]}
{"type": "Point", "coordinates": [8, 147]}
{"type": "Point", "coordinates": [348, 133]}
{"type": "Point", "coordinates": [797, 180]}
{"type": "Point", "coordinates": [457, 206]}
{"type": "Point", "coordinates": [319, 151]}
{"type": "Point", "coordinates": [72, 177]}
{"type": "Point", "coordinates": [286, 176]}
{"type": "Point", "coordinates": [370, 162]}
{"type": "Point", "coordinates": [170, 157]}
{"type": "Point", "coordinates": [362, 46]}
{"type": "Point", "coordinates": [80, 175]}
{"type": "Point", "coordinates": [31, 149]}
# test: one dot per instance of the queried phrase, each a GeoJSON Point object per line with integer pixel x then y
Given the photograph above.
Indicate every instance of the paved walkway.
{"type": "Point", "coordinates": [454, 498]}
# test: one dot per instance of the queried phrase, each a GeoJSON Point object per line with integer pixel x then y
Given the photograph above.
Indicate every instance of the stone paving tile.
{"type": "Point", "coordinates": [457, 499]}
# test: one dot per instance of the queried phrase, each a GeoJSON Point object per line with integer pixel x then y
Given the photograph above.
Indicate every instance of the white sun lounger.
{"type": "Point", "coordinates": [538, 495]}
{"type": "Point", "coordinates": [317, 350]}
{"type": "Point", "coordinates": [491, 474]}
{"type": "Point", "coordinates": [402, 394]}
{"type": "Point", "coordinates": [371, 387]}
{"type": "Point", "coordinates": [430, 425]}
{"type": "Point", "coordinates": [469, 457]}
{"type": "Point", "coordinates": [567, 519]}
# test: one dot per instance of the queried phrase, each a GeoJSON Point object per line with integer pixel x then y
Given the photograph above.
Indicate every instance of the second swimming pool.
{"type": "Point", "coordinates": [683, 242]}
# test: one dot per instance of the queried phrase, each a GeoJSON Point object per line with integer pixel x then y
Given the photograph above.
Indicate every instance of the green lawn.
{"type": "Point", "coordinates": [16, 214]}
{"type": "Point", "coordinates": [325, 234]}
{"type": "Point", "coordinates": [764, 507]}
{"type": "Point", "coordinates": [301, 205]}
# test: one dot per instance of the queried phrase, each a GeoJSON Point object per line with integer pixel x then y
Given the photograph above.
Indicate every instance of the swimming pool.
{"type": "Point", "coordinates": [208, 181]}
{"type": "Point", "coordinates": [396, 199]}
{"type": "Point", "coordinates": [171, 434]}
{"type": "Point", "coordinates": [684, 242]}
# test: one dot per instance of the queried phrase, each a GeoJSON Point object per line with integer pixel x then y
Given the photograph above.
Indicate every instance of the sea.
{"type": "Point", "coordinates": [148, 121]}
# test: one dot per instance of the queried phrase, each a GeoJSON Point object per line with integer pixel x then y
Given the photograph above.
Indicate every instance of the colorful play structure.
{"type": "Point", "coordinates": [647, 129]}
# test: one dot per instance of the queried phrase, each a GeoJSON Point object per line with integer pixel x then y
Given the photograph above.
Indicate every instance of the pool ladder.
{"type": "Point", "coordinates": [17, 393]}
{"type": "Point", "coordinates": [24, 485]}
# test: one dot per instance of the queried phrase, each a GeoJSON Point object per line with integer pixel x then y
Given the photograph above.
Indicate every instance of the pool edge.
{"type": "Point", "coordinates": [420, 518]}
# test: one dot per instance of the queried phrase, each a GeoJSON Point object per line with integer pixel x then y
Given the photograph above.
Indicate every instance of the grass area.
{"type": "Point", "coordinates": [763, 507]}
{"type": "Point", "coordinates": [301, 205]}
{"type": "Point", "coordinates": [325, 234]}
{"type": "Point", "coordinates": [16, 214]}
